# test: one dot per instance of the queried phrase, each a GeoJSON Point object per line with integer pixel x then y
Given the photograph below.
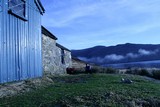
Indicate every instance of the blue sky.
{"type": "Point", "coordinates": [80, 24]}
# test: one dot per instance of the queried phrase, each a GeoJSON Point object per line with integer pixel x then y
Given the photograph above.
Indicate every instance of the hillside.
{"type": "Point", "coordinates": [122, 53]}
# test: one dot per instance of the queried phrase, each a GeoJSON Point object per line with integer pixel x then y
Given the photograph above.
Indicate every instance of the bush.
{"type": "Point", "coordinates": [75, 70]}
{"type": "Point", "coordinates": [70, 70]}
{"type": "Point", "coordinates": [97, 69]}
{"type": "Point", "coordinates": [129, 71]}
{"type": "Point", "coordinates": [133, 71]}
{"type": "Point", "coordinates": [79, 70]}
{"type": "Point", "coordinates": [94, 70]}
{"type": "Point", "coordinates": [156, 74]}
{"type": "Point", "coordinates": [103, 70]}
{"type": "Point", "coordinates": [144, 72]}
{"type": "Point", "coordinates": [110, 71]}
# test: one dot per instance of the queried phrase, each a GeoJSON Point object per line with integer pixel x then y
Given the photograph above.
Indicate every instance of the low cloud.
{"type": "Point", "coordinates": [94, 59]}
{"type": "Point", "coordinates": [107, 58]}
{"type": "Point", "coordinates": [142, 52]}
{"type": "Point", "coordinates": [146, 52]}
{"type": "Point", "coordinates": [132, 55]}
{"type": "Point", "coordinates": [115, 57]}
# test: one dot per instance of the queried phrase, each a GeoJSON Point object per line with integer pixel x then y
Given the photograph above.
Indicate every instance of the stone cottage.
{"type": "Point", "coordinates": [56, 58]}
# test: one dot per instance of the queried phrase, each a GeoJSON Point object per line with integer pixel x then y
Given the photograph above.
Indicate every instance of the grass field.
{"type": "Point", "coordinates": [91, 90]}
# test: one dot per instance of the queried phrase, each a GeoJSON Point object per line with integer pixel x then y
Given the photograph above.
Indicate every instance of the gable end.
{"type": "Point", "coordinates": [47, 33]}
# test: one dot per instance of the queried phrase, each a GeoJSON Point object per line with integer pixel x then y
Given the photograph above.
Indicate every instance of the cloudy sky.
{"type": "Point", "coordinates": [81, 24]}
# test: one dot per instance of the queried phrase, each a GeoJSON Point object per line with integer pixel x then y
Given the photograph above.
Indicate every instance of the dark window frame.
{"type": "Point", "coordinates": [1, 6]}
{"type": "Point", "coordinates": [10, 11]}
{"type": "Point", "coordinates": [62, 56]}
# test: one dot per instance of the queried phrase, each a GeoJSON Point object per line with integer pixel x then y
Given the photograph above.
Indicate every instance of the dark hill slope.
{"type": "Point", "coordinates": [124, 53]}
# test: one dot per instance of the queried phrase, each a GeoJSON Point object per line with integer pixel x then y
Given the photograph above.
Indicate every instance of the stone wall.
{"type": "Point", "coordinates": [67, 59]}
{"type": "Point", "coordinates": [52, 63]}
{"type": "Point", "coordinates": [78, 64]}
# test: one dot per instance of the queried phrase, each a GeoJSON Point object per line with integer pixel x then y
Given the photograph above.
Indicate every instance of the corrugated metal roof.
{"type": "Point", "coordinates": [48, 33]}
{"type": "Point", "coordinates": [40, 6]}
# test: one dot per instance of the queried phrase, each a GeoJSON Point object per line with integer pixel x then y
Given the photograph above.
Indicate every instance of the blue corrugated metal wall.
{"type": "Point", "coordinates": [20, 44]}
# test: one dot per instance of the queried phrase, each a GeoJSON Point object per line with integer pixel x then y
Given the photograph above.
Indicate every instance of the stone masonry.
{"type": "Point", "coordinates": [52, 63]}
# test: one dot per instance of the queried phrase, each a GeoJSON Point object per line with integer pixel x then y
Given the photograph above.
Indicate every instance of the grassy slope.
{"type": "Point", "coordinates": [91, 90]}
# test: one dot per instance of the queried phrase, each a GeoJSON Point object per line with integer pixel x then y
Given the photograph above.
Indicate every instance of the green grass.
{"type": "Point", "coordinates": [95, 90]}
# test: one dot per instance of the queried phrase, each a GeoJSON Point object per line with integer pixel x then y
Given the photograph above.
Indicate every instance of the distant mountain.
{"type": "Point", "coordinates": [122, 53]}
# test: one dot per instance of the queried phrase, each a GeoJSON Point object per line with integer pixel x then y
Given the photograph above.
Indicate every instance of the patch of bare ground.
{"type": "Point", "coordinates": [20, 87]}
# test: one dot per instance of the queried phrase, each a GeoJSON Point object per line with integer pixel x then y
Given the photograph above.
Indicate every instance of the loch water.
{"type": "Point", "coordinates": [142, 64]}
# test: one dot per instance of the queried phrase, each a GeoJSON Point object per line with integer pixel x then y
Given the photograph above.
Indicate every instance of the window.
{"type": "Point", "coordinates": [17, 8]}
{"type": "Point", "coordinates": [0, 5]}
{"type": "Point", "coordinates": [62, 56]}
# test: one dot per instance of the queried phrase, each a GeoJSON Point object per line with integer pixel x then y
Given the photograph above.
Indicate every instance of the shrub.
{"type": "Point", "coordinates": [70, 70]}
{"type": "Point", "coordinates": [136, 71]}
{"type": "Point", "coordinates": [97, 69]}
{"type": "Point", "coordinates": [103, 70]}
{"type": "Point", "coordinates": [133, 71]}
{"type": "Point", "coordinates": [79, 70]}
{"type": "Point", "coordinates": [129, 71]}
{"type": "Point", "coordinates": [144, 72]}
{"type": "Point", "coordinates": [75, 70]}
{"type": "Point", "coordinates": [94, 70]}
{"type": "Point", "coordinates": [156, 74]}
{"type": "Point", "coordinates": [110, 71]}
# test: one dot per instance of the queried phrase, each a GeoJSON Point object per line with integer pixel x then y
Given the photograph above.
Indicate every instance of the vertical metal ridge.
{"type": "Point", "coordinates": [20, 44]}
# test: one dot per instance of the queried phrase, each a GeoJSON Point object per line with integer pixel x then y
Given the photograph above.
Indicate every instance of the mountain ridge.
{"type": "Point", "coordinates": [120, 53]}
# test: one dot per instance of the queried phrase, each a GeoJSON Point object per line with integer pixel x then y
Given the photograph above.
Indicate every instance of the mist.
{"type": "Point", "coordinates": [118, 58]}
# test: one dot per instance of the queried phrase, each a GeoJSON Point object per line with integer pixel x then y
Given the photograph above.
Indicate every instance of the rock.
{"type": "Point", "coordinates": [7, 92]}
{"type": "Point", "coordinates": [47, 79]}
{"type": "Point", "coordinates": [131, 104]}
{"type": "Point", "coordinates": [122, 80]}
{"type": "Point", "coordinates": [143, 103]}
{"type": "Point", "coordinates": [128, 81]}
